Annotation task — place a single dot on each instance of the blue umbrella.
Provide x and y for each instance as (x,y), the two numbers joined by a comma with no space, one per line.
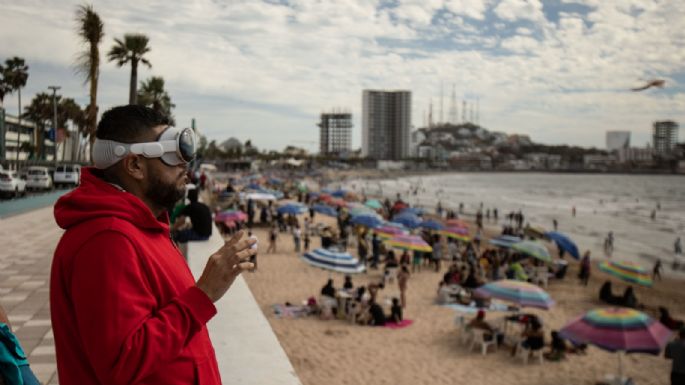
(432,225)
(409,220)
(564,242)
(342,262)
(254,186)
(412,210)
(505,241)
(339,193)
(292,209)
(325,210)
(368,220)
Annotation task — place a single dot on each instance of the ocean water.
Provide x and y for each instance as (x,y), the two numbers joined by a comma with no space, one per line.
(619,203)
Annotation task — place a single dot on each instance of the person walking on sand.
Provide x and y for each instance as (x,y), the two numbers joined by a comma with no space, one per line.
(273,238)
(297,237)
(402,279)
(125,308)
(656,272)
(585,265)
(678,247)
(675,350)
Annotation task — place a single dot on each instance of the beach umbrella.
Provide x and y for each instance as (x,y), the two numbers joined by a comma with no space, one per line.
(522,293)
(432,225)
(627,271)
(275,181)
(398,206)
(408,220)
(564,242)
(292,209)
(325,210)
(367,220)
(456,223)
(385,231)
(374,204)
(342,262)
(412,210)
(230,216)
(534,231)
(533,249)
(505,241)
(409,242)
(618,330)
(337,202)
(458,233)
(340,193)
(259,196)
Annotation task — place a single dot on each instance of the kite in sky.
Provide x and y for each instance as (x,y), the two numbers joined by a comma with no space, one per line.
(652,83)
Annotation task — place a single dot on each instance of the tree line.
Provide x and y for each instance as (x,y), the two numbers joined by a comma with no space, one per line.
(129,50)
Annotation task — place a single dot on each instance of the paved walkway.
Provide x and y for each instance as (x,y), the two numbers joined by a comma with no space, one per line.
(247,349)
(28,242)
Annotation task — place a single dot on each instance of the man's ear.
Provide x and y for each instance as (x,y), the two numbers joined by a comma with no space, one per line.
(135,166)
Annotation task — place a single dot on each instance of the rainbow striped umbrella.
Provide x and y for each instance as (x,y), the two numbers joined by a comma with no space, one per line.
(618,329)
(627,271)
(388,232)
(459,233)
(534,249)
(456,223)
(522,293)
(409,242)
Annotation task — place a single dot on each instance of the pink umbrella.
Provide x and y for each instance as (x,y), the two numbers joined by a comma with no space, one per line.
(230,216)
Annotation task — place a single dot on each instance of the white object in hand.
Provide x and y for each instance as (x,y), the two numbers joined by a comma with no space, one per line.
(254,246)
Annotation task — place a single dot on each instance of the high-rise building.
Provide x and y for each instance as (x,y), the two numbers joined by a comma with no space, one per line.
(617,140)
(665,136)
(335,133)
(386,119)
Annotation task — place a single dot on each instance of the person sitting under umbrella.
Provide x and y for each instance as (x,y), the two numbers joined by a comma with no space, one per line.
(479,322)
(666,319)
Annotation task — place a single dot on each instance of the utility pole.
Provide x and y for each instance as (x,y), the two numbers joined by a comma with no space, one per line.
(54,121)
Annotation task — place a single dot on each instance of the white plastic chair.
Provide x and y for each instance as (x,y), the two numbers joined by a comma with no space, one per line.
(541,276)
(390,275)
(465,334)
(479,339)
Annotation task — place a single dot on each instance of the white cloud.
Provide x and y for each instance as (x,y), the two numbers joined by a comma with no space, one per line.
(265,71)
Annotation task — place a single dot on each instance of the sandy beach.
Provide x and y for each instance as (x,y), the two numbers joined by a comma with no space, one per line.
(429,351)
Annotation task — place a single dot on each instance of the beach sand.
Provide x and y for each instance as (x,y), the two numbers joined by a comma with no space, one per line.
(429,351)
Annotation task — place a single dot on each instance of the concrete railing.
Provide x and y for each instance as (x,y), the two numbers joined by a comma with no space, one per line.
(246,347)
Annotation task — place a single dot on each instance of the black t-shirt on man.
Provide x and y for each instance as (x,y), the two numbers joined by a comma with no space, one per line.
(200,217)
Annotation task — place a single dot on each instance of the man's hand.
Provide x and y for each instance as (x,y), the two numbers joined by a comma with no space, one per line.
(225,265)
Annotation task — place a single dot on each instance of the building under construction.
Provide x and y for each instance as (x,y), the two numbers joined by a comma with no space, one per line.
(335,133)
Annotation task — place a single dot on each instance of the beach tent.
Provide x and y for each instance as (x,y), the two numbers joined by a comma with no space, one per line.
(621,330)
(342,262)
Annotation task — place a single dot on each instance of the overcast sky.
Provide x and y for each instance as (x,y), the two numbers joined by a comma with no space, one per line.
(559,71)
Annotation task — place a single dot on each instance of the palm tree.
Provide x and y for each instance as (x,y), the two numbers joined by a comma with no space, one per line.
(91,32)
(40,112)
(70,111)
(131,49)
(16,74)
(5,88)
(152,94)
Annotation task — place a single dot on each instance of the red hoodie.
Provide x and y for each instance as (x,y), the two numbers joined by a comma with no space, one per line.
(124,305)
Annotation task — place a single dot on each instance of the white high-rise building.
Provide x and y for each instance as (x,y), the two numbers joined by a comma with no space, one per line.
(617,140)
(386,120)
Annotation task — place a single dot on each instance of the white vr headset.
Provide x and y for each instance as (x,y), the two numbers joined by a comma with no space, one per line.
(174,147)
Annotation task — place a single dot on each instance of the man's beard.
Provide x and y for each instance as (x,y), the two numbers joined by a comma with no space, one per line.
(164,194)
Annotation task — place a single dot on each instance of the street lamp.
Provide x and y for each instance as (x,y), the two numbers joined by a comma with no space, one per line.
(54,121)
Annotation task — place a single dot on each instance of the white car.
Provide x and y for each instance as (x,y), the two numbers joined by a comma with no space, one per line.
(38,177)
(68,175)
(11,184)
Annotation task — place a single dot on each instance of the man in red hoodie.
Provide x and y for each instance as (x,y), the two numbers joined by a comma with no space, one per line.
(125,307)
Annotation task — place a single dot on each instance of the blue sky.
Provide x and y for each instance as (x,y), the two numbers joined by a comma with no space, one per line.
(558,70)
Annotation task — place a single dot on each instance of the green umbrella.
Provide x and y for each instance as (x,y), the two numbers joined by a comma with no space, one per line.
(533,249)
(374,204)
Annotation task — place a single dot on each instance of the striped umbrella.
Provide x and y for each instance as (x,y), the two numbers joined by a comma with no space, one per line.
(618,330)
(409,242)
(367,220)
(456,223)
(505,241)
(627,271)
(342,262)
(533,249)
(459,233)
(522,293)
(386,232)
(409,220)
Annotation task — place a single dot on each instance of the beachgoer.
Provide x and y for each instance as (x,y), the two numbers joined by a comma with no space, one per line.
(348,285)
(200,221)
(573,211)
(533,336)
(396,311)
(375,251)
(479,322)
(125,308)
(668,321)
(678,247)
(297,236)
(585,269)
(555,224)
(273,238)
(675,350)
(656,272)
(402,279)
(306,241)
(328,289)
(377,315)
(653,215)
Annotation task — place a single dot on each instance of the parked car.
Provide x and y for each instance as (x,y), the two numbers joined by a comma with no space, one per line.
(68,175)
(11,184)
(38,177)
